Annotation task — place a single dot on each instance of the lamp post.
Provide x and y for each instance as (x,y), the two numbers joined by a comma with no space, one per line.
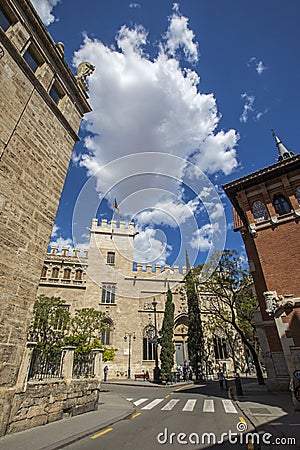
(129,336)
(156,371)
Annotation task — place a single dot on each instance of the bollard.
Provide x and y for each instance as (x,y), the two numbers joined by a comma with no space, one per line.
(238,385)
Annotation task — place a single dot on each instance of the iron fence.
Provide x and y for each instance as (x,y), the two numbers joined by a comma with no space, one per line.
(45,365)
(83,365)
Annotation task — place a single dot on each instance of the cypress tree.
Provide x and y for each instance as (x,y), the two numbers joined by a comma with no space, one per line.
(195,333)
(166,341)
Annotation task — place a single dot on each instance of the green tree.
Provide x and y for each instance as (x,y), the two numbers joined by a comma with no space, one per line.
(50,322)
(195,332)
(85,332)
(166,341)
(231,298)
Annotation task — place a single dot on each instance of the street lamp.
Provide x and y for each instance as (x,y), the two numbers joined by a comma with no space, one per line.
(156,371)
(129,336)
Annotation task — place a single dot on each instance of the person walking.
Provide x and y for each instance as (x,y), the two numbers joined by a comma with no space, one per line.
(221,379)
(105,373)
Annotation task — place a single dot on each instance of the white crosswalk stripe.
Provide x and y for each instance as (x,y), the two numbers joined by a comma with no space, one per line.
(208,406)
(229,407)
(129,399)
(152,404)
(170,405)
(140,401)
(190,405)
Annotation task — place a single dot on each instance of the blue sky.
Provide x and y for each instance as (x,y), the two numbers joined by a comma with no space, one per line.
(184,96)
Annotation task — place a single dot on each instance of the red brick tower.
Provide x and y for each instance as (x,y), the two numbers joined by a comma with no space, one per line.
(266,208)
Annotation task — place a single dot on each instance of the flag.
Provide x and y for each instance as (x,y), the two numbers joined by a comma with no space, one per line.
(116,206)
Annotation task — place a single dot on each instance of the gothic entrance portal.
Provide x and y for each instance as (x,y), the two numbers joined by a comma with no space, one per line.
(180,337)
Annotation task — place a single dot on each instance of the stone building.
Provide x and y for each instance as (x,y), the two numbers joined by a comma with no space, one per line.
(42,104)
(106,279)
(266,212)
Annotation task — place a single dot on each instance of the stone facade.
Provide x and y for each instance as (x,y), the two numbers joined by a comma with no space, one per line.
(124,291)
(41,110)
(267,209)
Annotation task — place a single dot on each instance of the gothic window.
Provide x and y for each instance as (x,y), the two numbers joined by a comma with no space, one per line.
(106,333)
(67,274)
(32,58)
(220,348)
(148,345)
(111,258)
(297,194)
(281,205)
(259,211)
(78,274)
(55,272)
(44,272)
(108,293)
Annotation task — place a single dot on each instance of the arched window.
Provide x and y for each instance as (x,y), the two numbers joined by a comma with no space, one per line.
(107,332)
(220,348)
(259,211)
(67,273)
(297,194)
(281,205)
(78,274)
(148,344)
(55,272)
(44,272)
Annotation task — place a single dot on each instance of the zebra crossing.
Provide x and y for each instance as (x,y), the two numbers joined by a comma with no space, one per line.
(207,405)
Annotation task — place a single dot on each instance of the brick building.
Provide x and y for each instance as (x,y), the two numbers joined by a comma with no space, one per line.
(267,212)
(42,104)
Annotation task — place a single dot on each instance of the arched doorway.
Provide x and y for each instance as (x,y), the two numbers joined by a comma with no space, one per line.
(181,338)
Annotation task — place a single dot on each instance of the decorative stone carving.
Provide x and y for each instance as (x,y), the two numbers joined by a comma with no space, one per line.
(275,302)
(84,70)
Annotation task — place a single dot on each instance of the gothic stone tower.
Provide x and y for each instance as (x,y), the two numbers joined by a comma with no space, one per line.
(266,212)
(42,105)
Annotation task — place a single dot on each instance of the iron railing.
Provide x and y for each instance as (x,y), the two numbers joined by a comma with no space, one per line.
(45,365)
(83,365)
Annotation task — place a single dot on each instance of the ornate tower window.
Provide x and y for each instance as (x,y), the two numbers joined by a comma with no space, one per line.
(259,211)
(55,272)
(281,205)
(108,293)
(111,258)
(297,194)
(67,274)
(78,274)
(44,272)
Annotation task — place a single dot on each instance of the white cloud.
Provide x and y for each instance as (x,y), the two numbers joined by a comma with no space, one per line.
(260,67)
(203,237)
(55,230)
(150,106)
(150,250)
(179,36)
(44,9)
(134,5)
(248,106)
(249,110)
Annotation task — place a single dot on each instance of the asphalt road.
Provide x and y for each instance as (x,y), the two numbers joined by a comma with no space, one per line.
(193,416)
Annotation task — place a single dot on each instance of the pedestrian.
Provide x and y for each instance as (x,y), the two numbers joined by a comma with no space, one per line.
(105,373)
(221,379)
(185,371)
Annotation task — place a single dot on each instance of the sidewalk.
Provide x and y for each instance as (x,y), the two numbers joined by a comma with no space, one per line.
(269,412)
(56,435)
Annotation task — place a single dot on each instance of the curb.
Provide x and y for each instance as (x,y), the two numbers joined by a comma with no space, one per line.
(77,437)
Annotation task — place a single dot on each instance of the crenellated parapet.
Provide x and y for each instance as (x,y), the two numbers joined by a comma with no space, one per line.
(105,226)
